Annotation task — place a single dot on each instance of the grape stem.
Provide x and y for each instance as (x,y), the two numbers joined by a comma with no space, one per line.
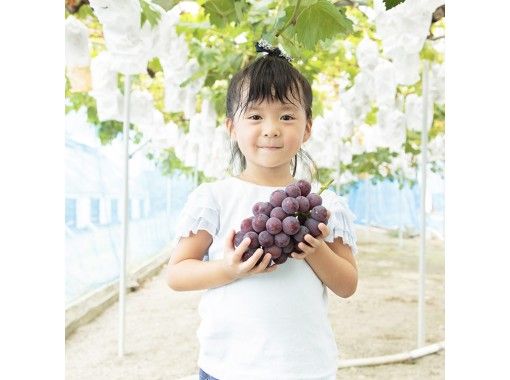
(325,186)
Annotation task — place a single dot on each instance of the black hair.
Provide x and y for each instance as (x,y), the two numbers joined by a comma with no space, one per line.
(270,78)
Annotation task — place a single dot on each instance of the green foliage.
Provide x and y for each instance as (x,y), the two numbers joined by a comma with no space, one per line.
(169,163)
(324,175)
(84,12)
(431,54)
(150,13)
(367,164)
(438,123)
(413,142)
(371,118)
(223,12)
(392,3)
(315,20)
(154,66)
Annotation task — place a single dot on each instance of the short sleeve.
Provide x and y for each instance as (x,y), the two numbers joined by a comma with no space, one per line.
(200,212)
(341,221)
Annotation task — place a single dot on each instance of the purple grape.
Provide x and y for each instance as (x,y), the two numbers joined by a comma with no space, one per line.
(281,259)
(278,212)
(320,214)
(249,253)
(246,224)
(313,227)
(314,199)
(266,208)
(254,239)
(304,204)
(262,208)
(290,225)
(256,208)
(273,225)
(302,218)
(274,251)
(282,240)
(293,191)
(289,248)
(304,186)
(266,239)
(290,205)
(300,236)
(277,198)
(259,222)
(238,238)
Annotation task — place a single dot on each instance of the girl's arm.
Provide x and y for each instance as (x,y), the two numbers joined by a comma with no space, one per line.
(187,271)
(335,265)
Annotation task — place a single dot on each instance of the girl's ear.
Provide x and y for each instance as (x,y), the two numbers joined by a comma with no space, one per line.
(229,124)
(308,130)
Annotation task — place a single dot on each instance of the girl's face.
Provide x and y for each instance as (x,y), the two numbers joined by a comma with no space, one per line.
(269,134)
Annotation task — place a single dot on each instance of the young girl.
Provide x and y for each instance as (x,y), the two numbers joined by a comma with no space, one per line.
(259,321)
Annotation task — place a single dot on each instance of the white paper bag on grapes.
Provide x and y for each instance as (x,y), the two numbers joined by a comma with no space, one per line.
(367,54)
(281,223)
(130,45)
(77,55)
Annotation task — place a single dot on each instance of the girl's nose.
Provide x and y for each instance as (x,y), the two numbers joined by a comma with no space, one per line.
(271,131)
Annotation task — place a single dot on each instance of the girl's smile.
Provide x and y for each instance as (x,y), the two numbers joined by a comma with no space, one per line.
(270,147)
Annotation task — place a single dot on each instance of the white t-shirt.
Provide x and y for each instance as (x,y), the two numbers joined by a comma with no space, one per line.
(269,326)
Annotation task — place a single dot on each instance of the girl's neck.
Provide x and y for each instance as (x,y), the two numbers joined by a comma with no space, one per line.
(267,178)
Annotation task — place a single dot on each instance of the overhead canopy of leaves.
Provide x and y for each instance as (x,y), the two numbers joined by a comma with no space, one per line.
(320,35)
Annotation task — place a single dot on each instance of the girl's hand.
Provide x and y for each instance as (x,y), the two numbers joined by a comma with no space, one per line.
(238,269)
(312,244)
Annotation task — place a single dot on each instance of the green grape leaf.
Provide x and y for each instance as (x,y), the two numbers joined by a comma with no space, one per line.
(392,3)
(221,12)
(150,12)
(320,21)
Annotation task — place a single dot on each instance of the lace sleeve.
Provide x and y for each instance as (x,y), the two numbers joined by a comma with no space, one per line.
(200,212)
(341,222)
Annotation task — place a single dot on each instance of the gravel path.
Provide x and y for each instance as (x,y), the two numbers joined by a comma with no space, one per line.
(379,319)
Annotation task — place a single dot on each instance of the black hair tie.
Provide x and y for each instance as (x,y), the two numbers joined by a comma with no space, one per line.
(263,46)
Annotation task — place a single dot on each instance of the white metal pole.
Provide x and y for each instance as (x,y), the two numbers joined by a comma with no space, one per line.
(338,173)
(400,211)
(168,196)
(125,219)
(424,143)
(168,202)
(395,358)
(195,169)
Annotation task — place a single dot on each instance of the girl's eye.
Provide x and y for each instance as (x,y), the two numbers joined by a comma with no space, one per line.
(258,116)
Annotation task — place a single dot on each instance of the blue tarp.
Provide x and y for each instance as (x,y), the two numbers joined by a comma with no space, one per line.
(385,205)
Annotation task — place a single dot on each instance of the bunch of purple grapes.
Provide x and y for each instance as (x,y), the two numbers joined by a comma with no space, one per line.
(280,224)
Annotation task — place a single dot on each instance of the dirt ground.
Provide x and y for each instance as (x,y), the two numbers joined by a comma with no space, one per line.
(379,319)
